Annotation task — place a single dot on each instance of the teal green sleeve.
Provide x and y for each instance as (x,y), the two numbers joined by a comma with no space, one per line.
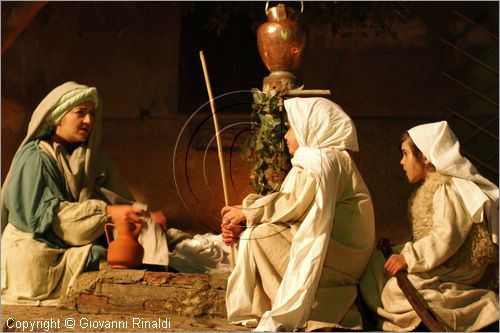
(33,193)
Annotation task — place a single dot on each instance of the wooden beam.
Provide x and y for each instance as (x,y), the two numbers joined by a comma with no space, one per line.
(18,19)
(310,92)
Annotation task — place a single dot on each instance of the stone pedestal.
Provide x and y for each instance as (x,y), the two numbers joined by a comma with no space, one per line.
(279,81)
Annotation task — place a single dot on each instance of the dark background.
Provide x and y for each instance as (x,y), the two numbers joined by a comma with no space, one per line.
(143,58)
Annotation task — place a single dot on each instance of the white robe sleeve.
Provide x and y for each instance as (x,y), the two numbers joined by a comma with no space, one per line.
(281,206)
(451,225)
(80,223)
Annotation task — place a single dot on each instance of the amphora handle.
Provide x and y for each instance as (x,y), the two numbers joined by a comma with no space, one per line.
(137,230)
(301,6)
(106,231)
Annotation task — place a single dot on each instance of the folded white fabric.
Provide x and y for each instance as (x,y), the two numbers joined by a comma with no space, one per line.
(204,253)
(154,242)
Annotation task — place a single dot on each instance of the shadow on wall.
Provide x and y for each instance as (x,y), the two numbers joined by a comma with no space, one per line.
(132,53)
(14,124)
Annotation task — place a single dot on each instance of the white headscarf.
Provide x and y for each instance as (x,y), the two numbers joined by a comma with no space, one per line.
(440,145)
(322,130)
(321,123)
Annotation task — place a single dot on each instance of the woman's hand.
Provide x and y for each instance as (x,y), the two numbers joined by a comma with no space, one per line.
(231,232)
(159,218)
(125,213)
(232,215)
(395,263)
(232,219)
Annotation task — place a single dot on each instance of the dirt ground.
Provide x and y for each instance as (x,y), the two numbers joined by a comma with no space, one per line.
(16,318)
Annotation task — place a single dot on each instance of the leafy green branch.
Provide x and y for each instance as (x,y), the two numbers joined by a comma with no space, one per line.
(264,150)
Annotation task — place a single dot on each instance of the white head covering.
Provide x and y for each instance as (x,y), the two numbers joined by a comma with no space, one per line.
(323,131)
(440,145)
(321,123)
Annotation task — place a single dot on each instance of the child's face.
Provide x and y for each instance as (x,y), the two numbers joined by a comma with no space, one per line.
(413,167)
(291,141)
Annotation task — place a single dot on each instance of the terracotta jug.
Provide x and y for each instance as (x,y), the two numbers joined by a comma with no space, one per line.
(125,251)
(281,40)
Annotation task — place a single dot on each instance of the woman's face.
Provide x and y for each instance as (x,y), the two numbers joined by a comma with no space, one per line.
(412,165)
(291,141)
(75,125)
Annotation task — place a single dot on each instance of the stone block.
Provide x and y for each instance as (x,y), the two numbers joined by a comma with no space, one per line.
(173,305)
(217,303)
(91,303)
(131,291)
(219,280)
(121,275)
(122,290)
(154,305)
(191,281)
(84,284)
(157,278)
(121,303)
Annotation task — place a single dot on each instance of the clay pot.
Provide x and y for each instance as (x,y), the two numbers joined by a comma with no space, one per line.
(125,251)
(281,40)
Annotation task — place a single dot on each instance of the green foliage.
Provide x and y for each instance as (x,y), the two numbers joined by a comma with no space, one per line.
(265,150)
(344,17)
(347,18)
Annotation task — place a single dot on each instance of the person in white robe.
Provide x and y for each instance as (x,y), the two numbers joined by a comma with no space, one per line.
(454,217)
(60,191)
(304,247)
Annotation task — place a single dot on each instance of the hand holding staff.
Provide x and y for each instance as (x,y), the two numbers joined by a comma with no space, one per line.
(219,143)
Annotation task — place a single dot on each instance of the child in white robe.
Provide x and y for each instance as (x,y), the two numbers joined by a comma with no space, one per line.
(454,217)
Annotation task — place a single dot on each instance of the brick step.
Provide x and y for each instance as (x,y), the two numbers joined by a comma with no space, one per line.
(129,290)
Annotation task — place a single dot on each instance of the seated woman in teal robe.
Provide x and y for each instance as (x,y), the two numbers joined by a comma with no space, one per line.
(60,191)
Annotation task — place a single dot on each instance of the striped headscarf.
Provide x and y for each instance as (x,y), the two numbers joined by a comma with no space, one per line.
(65,103)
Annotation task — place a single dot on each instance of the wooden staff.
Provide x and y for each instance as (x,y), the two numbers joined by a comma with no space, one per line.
(219,143)
(411,293)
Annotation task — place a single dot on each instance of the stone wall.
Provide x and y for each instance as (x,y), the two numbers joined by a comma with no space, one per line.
(130,51)
(118,291)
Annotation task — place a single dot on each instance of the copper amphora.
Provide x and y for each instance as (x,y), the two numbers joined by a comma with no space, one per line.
(125,251)
(281,40)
